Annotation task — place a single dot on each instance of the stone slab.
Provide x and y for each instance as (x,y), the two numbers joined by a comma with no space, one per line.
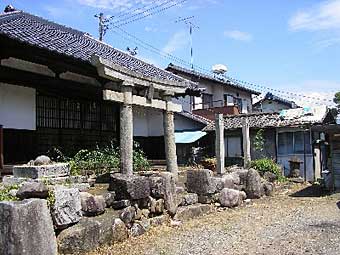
(34,172)
(186,213)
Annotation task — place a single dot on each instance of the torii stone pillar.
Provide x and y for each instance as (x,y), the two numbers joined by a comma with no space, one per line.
(246,142)
(126,131)
(169,139)
(219,143)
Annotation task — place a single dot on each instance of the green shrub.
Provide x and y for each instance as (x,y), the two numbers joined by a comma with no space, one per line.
(4,193)
(140,162)
(267,165)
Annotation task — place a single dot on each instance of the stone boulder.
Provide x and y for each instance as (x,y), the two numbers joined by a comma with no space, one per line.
(231,197)
(137,230)
(121,204)
(32,190)
(270,177)
(170,192)
(128,215)
(268,188)
(201,182)
(208,199)
(156,206)
(66,208)
(189,199)
(253,187)
(109,198)
(42,160)
(26,228)
(242,174)
(130,187)
(159,220)
(192,211)
(92,205)
(231,181)
(91,233)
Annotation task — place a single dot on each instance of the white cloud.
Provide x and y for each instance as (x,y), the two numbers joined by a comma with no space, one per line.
(238,35)
(323,16)
(316,92)
(177,41)
(118,5)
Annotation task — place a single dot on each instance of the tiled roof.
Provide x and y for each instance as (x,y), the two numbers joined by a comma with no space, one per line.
(195,117)
(272,97)
(57,38)
(218,79)
(275,119)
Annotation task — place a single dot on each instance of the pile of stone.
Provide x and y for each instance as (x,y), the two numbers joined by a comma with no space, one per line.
(70,220)
(228,190)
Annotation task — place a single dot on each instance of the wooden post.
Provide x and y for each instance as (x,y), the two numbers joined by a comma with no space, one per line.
(246,142)
(219,143)
(1,148)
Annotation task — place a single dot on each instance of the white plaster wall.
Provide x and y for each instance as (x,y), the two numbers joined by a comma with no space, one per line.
(17,107)
(186,124)
(147,122)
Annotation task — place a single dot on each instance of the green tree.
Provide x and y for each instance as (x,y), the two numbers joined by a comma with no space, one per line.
(337,100)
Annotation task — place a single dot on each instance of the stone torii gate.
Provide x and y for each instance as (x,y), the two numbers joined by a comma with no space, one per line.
(157,94)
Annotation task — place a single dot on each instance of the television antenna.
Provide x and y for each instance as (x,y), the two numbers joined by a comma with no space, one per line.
(192,26)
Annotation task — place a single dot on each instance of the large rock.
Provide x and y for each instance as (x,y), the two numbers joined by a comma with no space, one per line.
(32,190)
(269,176)
(253,187)
(128,215)
(189,199)
(156,206)
(242,174)
(209,199)
(231,197)
(35,172)
(201,182)
(157,186)
(130,187)
(26,228)
(91,233)
(170,194)
(117,205)
(137,229)
(159,220)
(268,188)
(192,211)
(92,205)
(66,208)
(42,160)
(231,181)
(109,198)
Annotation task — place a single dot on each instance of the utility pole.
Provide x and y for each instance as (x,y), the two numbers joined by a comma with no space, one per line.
(102,24)
(192,26)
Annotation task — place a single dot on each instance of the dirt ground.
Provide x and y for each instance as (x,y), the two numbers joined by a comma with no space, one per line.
(297,220)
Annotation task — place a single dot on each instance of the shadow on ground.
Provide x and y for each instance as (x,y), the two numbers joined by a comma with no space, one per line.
(311,191)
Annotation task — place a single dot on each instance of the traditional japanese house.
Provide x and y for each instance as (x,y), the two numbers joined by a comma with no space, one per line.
(60,87)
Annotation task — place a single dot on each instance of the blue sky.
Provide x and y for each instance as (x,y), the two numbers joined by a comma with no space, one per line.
(285,45)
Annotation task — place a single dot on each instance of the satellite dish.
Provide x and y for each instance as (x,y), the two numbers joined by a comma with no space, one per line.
(219,69)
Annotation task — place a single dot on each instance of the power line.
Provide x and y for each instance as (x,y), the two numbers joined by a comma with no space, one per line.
(132,10)
(146,14)
(261,88)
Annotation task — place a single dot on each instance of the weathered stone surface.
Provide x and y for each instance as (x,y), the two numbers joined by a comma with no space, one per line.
(26,228)
(34,172)
(231,181)
(268,188)
(231,197)
(42,160)
(90,233)
(92,205)
(170,195)
(128,215)
(121,204)
(253,187)
(159,220)
(242,173)
(82,187)
(145,223)
(32,190)
(189,199)
(131,187)
(271,177)
(136,230)
(201,182)
(120,231)
(156,206)
(156,186)
(66,209)
(109,198)
(192,211)
(208,199)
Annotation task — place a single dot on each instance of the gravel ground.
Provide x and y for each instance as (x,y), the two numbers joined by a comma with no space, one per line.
(278,225)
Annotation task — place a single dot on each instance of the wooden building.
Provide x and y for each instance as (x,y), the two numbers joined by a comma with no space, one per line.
(60,87)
